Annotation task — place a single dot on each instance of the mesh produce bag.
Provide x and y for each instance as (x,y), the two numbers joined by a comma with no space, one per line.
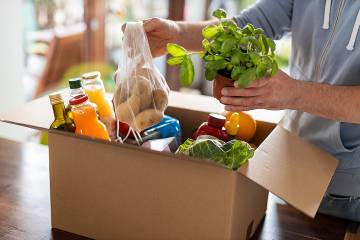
(141,94)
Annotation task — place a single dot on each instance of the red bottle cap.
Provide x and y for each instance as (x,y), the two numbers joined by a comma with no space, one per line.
(78,99)
(216,120)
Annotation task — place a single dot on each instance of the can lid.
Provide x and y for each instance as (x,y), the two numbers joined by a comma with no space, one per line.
(56,98)
(75,83)
(216,120)
(78,99)
(91,75)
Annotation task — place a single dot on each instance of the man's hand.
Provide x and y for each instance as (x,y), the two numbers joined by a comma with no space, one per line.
(277,92)
(159,33)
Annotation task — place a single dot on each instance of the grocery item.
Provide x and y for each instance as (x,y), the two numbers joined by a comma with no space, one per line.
(231,154)
(214,127)
(232,125)
(86,120)
(141,94)
(75,89)
(167,127)
(247,126)
(162,145)
(61,121)
(94,88)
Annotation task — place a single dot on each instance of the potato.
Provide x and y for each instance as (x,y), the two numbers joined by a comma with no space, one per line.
(160,99)
(142,88)
(143,72)
(126,111)
(146,119)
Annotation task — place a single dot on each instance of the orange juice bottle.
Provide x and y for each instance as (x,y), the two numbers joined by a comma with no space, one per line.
(94,88)
(86,120)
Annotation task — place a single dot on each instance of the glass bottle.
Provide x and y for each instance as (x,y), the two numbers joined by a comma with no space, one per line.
(213,127)
(94,88)
(75,89)
(86,120)
(61,121)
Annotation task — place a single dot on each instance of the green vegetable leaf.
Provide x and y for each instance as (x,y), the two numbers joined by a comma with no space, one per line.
(228,45)
(175,60)
(219,13)
(213,57)
(210,74)
(264,44)
(231,154)
(248,76)
(206,44)
(186,72)
(236,73)
(176,50)
(271,44)
(230,24)
(275,68)
(210,31)
(216,65)
(238,57)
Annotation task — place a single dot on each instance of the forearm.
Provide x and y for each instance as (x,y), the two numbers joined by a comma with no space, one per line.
(190,36)
(340,103)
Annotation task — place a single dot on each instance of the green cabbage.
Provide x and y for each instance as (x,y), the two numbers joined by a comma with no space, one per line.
(231,154)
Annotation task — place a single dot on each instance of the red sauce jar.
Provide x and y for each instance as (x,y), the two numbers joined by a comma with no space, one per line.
(213,127)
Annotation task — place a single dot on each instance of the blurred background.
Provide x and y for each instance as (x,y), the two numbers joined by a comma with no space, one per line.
(46,42)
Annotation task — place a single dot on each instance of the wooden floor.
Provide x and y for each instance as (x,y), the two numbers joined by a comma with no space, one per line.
(25,206)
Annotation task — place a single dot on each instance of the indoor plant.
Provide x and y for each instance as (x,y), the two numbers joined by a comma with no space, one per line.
(230,54)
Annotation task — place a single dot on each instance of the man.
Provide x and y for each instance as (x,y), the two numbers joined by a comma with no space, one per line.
(322,93)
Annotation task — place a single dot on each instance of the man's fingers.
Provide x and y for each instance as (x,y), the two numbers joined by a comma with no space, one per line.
(242,101)
(246,92)
(232,108)
(151,24)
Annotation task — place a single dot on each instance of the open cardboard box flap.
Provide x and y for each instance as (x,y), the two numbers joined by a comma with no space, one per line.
(284,164)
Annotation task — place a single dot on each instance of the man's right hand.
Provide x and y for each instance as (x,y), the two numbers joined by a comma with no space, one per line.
(160,32)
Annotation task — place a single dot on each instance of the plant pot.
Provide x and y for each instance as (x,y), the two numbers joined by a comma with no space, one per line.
(219,83)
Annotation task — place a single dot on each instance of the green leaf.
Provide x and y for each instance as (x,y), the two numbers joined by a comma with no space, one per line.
(213,57)
(186,72)
(210,74)
(247,77)
(275,68)
(258,31)
(176,50)
(210,31)
(255,58)
(264,44)
(230,24)
(238,57)
(228,45)
(216,65)
(219,13)
(271,44)
(236,73)
(175,60)
(216,45)
(206,44)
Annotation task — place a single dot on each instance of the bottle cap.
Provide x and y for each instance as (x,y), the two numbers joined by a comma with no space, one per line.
(55,98)
(216,120)
(78,99)
(91,75)
(75,83)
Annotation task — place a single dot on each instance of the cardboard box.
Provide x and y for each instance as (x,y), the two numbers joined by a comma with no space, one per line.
(105,190)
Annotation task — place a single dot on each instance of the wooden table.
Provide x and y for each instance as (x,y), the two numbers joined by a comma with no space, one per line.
(25,203)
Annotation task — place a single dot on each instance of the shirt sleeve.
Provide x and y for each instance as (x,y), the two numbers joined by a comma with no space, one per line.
(274,16)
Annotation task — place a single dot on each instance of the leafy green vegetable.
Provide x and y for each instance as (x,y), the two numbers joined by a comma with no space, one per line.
(231,154)
(245,54)
(176,50)
(186,71)
(219,13)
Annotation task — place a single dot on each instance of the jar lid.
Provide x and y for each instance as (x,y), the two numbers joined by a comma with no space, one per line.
(91,75)
(216,120)
(56,98)
(78,99)
(75,83)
